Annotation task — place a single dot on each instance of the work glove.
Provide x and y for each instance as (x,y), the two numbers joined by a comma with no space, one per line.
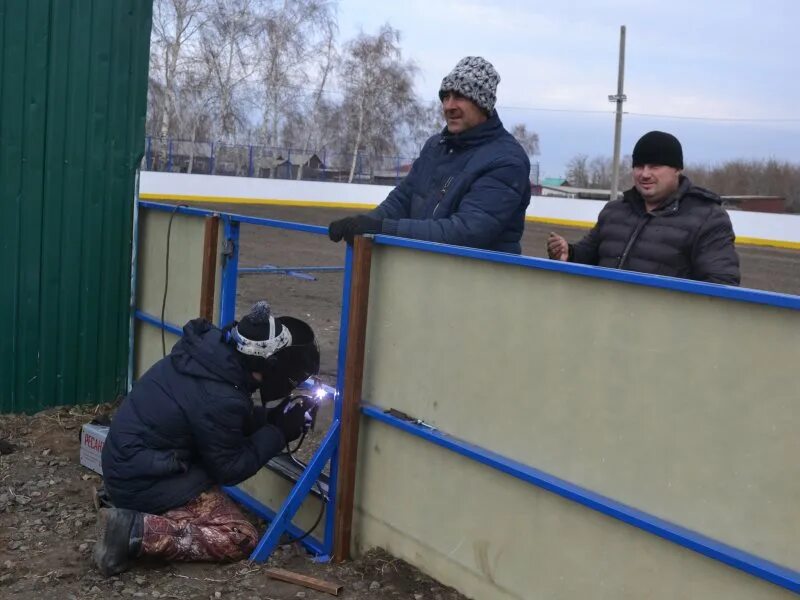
(290,417)
(351,226)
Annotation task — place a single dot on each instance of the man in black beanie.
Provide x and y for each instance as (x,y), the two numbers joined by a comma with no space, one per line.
(470,185)
(188,426)
(663,225)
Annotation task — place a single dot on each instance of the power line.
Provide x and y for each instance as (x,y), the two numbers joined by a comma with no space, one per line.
(729,119)
(656,115)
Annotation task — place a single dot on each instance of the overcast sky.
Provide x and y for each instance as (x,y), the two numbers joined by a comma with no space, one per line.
(702,60)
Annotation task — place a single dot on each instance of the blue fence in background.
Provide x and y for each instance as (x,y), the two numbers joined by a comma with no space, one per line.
(216,158)
(241,160)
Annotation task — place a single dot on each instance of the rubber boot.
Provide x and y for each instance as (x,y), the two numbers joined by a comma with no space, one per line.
(119,538)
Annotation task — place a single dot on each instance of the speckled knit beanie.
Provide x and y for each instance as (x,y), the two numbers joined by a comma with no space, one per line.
(475,78)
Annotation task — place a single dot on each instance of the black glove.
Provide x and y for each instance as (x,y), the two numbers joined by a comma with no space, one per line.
(290,417)
(351,226)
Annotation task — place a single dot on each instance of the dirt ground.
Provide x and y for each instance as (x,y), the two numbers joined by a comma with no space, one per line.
(47,530)
(46,512)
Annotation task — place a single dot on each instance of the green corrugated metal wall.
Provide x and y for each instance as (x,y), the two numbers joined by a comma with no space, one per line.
(73,88)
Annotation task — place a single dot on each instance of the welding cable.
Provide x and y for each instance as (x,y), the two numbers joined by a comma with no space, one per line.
(325,500)
(166,279)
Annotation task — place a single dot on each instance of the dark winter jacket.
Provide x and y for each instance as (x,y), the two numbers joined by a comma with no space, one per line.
(469,189)
(689,236)
(188,424)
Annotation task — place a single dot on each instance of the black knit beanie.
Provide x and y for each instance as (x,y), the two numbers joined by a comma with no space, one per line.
(658,148)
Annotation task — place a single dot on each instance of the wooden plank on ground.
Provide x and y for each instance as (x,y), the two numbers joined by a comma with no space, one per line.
(305,580)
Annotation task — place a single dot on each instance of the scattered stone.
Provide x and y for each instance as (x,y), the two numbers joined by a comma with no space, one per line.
(118,584)
(83,547)
(9,564)
(46,452)
(300,595)
(95,589)
(14,544)
(140,580)
(418,596)
(6,578)
(374,586)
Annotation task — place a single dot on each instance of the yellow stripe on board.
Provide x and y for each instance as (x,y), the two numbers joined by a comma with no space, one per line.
(749,241)
(746,241)
(265,201)
(565,222)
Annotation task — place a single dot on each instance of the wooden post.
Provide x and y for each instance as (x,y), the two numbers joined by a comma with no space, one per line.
(351,401)
(209,277)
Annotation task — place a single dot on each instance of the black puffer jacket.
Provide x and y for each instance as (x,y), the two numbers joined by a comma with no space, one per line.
(188,424)
(467,189)
(689,236)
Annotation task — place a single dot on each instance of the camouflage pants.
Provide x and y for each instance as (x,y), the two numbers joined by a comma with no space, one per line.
(209,528)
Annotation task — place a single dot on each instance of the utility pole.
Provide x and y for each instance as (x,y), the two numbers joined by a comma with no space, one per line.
(619,98)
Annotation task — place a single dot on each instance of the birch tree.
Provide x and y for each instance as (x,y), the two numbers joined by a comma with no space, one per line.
(292,35)
(227,56)
(529,140)
(175,26)
(379,98)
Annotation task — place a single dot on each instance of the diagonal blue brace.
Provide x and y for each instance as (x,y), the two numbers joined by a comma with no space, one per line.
(290,506)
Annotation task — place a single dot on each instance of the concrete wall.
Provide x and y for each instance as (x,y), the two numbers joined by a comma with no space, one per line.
(751,228)
(185,277)
(660,399)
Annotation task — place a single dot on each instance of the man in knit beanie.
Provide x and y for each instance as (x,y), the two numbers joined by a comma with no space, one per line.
(470,185)
(663,225)
(189,426)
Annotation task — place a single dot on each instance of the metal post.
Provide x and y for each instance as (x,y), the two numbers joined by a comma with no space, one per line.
(396,170)
(619,99)
(169,156)
(250,163)
(149,153)
(324,163)
(344,324)
(134,266)
(230,271)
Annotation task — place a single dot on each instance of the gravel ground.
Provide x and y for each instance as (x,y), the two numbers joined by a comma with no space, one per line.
(47,530)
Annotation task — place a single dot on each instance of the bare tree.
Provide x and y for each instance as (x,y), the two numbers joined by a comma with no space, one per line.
(292,38)
(529,140)
(428,120)
(175,24)
(578,171)
(227,54)
(379,97)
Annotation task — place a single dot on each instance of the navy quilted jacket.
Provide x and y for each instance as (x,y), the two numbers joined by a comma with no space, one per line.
(187,425)
(689,236)
(469,189)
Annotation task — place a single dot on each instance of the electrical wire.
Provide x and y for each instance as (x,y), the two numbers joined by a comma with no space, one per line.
(166,280)
(325,500)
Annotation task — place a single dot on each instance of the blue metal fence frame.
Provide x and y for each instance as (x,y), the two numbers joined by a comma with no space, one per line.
(744,561)
(280,521)
(739,559)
